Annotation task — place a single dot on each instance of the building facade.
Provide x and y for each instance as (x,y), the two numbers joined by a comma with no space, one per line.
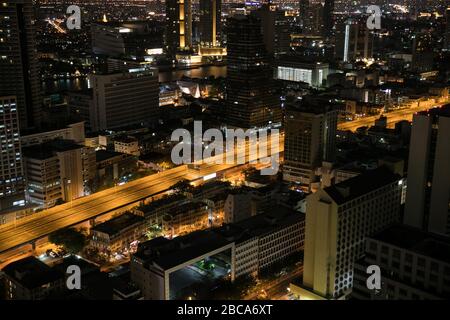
(178,25)
(18,60)
(293,69)
(58,171)
(338,218)
(353,41)
(414,265)
(122,99)
(210,22)
(428,193)
(310,138)
(12,182)
(249,90)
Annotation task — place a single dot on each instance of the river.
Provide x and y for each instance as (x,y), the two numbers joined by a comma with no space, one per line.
(54,86)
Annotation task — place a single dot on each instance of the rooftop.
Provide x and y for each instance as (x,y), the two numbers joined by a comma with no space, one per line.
(170,253)
(31,272)
(187,207)
(49,149)
(418,241)
(364,183)
(443,111)
(118,224)
(102,155)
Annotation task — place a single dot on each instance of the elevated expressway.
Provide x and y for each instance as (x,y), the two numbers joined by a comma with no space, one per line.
(24,233)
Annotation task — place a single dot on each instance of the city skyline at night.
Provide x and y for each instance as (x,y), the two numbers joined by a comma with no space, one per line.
(225,150)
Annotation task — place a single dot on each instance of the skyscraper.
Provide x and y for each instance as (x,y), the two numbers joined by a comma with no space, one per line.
(310,138)
(12,182)
(353,41)
(179,25)
(18,63)
(250,98)
(314,19)
(428,192)
(422,54)
(338,219)
(275,29)
(304,9)
(210,26)
(328,18)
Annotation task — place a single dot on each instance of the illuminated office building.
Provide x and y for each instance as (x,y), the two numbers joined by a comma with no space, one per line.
(11,172)
(124,98)
(210,26)
(310,138)
(290,68)
(179,25)
(250,98)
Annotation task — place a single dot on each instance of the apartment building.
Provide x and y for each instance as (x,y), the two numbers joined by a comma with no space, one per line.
(117,234)
(338,219)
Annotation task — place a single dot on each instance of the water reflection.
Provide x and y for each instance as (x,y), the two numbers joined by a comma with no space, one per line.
(53,86)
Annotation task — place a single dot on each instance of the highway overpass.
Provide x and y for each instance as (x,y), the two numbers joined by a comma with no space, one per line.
(28,230)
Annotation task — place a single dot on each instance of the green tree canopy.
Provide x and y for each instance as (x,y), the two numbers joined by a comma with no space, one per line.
(71,239)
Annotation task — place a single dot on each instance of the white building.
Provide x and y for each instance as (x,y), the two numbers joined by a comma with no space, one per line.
(128,145)
(338,219)
(311,72)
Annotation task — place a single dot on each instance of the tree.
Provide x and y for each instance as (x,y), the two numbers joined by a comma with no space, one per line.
(71,239)
(182,186)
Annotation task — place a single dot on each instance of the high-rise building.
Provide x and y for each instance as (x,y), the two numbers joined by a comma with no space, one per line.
(338,219)
(58,170)
(12,182)
(413,264)
(422,53)
(447,29)
(353,41)
(130,38)
(304,10)
(18,62)
(310,138)
(314,19)
(328,18)
(274,28)
(179,25)
(124,98)
(428,192)
(210,22)
(250,98)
